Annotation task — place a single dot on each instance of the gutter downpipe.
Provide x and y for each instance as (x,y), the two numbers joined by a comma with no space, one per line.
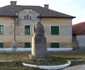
(15,23)
(14,29)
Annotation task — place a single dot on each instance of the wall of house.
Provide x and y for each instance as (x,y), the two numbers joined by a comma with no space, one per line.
(65,29)
(65,25)
(22,22)
(81,41)
(8,37)
(64,37)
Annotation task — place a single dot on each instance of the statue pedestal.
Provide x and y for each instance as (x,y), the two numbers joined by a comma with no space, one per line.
(39,47)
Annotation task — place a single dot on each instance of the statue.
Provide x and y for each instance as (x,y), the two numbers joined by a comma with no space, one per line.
(39,29)
(39,44)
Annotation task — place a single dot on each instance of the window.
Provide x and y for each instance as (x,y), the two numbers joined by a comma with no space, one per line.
(27,45)
(27,30)
(54,30)
(1,29)
(27,17)
(1,45)
(54,45)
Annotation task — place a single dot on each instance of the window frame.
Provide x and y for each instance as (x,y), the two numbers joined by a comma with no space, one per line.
(2,44)
(1,30)
(27,33)
(54,43)
(27,17)
(27,43)
(54,33)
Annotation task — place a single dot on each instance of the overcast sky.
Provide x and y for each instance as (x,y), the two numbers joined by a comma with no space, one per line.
(71,7)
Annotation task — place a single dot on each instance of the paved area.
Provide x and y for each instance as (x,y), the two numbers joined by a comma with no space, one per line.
(78,67)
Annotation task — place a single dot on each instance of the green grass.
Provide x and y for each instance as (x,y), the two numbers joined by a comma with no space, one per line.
(58,58)
(48,61)
(14,66)
(73,63)
(14,56)
(71,56)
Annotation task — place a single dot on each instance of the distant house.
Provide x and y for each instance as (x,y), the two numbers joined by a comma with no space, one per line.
(79,34)
(17,22)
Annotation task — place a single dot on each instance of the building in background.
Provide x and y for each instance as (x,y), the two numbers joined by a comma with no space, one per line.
(79,34)
(17,22)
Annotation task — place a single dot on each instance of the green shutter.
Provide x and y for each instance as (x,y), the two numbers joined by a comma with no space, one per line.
(54,45)
(27,45)
(1,45)
(54,30)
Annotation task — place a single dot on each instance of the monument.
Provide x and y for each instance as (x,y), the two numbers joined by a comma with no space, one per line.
(39,44)
(39,57)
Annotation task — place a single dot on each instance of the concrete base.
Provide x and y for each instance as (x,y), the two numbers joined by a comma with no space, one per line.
(36,58)
(39,47)
(50,67)
(10,50)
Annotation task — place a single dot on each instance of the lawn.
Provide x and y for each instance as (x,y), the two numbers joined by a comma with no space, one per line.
(17,58)
(71,56)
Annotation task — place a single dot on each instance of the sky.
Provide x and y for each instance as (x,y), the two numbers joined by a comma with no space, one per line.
(71,7)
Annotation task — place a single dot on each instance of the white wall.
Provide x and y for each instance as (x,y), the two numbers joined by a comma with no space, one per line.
(81,41)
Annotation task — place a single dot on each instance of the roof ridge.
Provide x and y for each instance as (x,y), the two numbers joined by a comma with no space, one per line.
(58,12)
(21,5)
(82,22)
(49,13)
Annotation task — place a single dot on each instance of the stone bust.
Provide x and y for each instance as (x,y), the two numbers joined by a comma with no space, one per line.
(39,29)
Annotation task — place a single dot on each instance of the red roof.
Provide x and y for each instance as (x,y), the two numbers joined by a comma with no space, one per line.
(79,29)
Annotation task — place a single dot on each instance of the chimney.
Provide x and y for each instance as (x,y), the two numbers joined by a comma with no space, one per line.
(13,3)
(46,6)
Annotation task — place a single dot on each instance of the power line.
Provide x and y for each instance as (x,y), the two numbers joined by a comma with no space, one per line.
(81,7)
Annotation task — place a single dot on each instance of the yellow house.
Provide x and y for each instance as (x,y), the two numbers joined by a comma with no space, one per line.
(17,22)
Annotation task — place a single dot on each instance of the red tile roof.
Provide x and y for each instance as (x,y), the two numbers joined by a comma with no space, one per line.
(79,29)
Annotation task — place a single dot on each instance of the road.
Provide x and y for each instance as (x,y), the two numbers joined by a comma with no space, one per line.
(78,67)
